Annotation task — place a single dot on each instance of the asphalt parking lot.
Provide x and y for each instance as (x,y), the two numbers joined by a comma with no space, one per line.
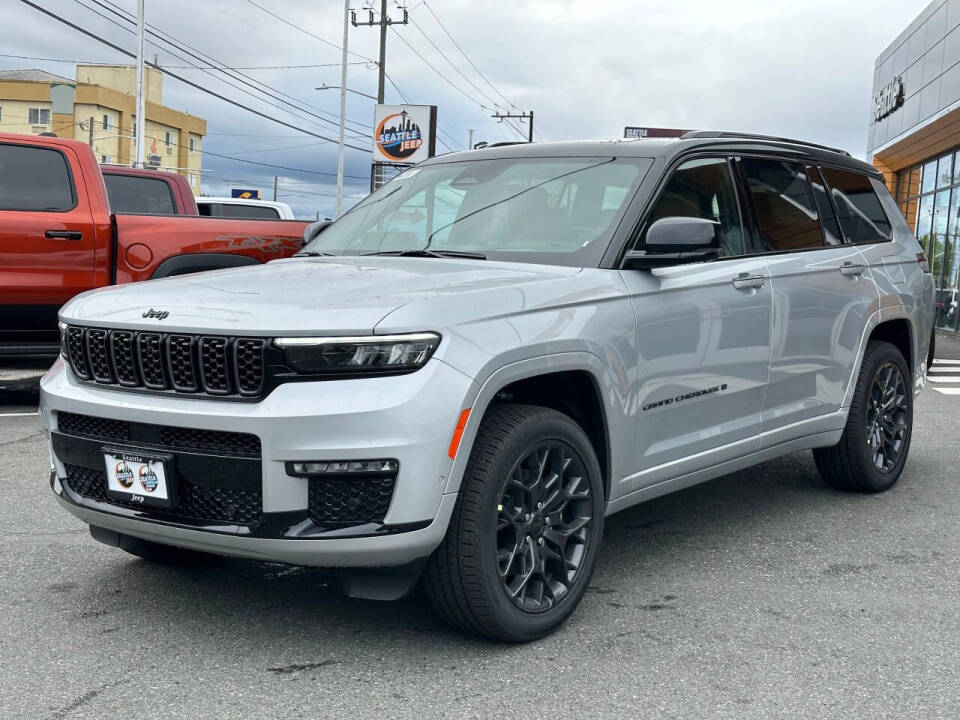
(763,594)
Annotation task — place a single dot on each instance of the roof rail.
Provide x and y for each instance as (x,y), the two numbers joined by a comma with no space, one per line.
(691,134)
(505,143)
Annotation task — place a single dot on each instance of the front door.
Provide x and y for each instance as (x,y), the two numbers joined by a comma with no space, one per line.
(47,241)
(703,338)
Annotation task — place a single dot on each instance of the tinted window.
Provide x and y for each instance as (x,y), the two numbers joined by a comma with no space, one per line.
(34,178)
(861,214)
(831,231)
(205,208)
(703,189)
(785,210)
(131,194)
(255,212)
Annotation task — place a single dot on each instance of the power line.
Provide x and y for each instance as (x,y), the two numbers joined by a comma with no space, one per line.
(222,68)
(182,79)
(451,64)
(183,67)
(307,32)
(466,57)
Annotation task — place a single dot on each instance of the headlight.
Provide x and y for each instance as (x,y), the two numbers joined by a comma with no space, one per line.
(368,355)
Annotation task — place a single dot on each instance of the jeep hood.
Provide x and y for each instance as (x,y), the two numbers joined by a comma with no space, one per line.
(326,296)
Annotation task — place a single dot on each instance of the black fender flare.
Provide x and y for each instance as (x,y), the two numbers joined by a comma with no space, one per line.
(197,262)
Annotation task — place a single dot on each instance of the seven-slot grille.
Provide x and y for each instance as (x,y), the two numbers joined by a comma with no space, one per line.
(213,365)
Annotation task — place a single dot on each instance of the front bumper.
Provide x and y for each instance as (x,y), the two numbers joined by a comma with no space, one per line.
(409,418)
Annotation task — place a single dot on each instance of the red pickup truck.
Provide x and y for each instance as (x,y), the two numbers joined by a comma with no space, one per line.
(59,237)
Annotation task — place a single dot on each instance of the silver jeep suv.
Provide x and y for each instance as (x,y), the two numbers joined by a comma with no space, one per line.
(456,381)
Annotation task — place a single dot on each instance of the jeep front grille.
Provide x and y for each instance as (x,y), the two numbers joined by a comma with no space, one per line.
(168,362)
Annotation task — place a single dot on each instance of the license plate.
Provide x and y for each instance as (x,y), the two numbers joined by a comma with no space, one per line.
(138,478)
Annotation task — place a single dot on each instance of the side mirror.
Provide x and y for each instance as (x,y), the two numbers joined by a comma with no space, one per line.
(676,240)
(314,229)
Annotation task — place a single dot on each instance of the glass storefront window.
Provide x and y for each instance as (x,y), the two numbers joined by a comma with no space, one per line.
(929,182)
(929,196)
(945,171)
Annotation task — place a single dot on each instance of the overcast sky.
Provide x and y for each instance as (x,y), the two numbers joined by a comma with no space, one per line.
(587,69)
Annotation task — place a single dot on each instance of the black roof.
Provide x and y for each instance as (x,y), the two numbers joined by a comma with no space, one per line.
(666,148)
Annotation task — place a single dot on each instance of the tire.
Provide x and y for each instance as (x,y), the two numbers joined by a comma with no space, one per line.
(854,464)
(473,580)
(932,350)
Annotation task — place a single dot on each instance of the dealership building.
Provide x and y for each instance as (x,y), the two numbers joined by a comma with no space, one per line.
(914,139)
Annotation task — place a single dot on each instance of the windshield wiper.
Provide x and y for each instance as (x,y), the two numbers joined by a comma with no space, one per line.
(431,253)
(312,253)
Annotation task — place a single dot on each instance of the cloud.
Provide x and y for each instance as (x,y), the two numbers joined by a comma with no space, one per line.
(587,69)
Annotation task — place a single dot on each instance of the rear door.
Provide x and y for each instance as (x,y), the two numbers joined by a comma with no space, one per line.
(822,295)
(47,243)
(703,337)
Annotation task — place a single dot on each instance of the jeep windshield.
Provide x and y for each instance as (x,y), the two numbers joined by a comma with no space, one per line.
(559,211)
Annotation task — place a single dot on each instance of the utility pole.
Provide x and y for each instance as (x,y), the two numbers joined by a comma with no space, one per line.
(90,133)
(140,130)
(343,106)
(522,116)
(469,139)
(275,179)
(384,22)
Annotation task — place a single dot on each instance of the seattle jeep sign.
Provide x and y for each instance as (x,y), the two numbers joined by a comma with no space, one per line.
(888,99)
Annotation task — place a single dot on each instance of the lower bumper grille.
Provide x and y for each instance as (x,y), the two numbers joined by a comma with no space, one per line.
(234,506)
(350,500)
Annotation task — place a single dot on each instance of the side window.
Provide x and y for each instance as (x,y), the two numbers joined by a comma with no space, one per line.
(205,208)
(132,194)
(861,214)
(703,188)
(785,210)
(828,220)
(250,212)
(35,179)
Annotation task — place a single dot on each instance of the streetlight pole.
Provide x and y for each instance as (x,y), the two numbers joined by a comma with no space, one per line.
(140,128)
(343,106)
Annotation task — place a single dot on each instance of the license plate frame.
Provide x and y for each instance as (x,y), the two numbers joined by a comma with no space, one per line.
(146,470)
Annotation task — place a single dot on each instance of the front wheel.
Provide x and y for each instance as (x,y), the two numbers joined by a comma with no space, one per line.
(873,449)
(526,529)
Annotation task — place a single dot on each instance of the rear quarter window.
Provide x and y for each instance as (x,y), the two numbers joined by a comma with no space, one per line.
(139,195)
(858,208)
(35,179)
(250,212)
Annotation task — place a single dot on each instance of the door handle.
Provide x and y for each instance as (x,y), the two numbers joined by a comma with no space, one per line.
(746,281)
(63,235)
(848,269)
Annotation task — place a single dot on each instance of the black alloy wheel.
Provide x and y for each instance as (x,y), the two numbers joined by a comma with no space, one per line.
(543,526)
(526,529)
(887,417)
(876,439)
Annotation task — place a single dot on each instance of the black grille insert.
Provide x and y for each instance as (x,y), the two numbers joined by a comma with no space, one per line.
(237,506)
(161,437)
(212,365)
(350,499)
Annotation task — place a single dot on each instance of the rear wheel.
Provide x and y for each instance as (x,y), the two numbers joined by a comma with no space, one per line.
(873,449)
(526,529)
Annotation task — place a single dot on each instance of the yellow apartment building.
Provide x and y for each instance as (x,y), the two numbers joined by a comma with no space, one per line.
(99,107)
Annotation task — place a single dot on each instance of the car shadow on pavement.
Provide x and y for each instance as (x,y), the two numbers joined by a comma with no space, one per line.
(647,550)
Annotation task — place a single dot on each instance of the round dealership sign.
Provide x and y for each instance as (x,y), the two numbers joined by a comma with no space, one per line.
(398,136)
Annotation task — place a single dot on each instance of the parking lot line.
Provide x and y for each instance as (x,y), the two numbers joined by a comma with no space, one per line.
(942,361)
(944,378)
(948,391)
(19,414)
